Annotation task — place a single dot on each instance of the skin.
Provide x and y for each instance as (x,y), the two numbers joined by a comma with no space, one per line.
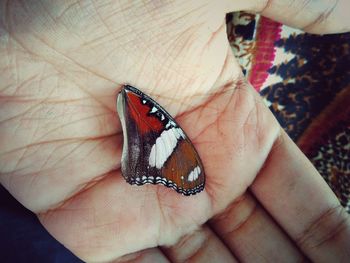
(62,65)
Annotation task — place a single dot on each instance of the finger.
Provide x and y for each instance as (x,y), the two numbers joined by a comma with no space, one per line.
(144,256)
(312,16)
(123,218)
(293,192)
(200,246)
(252,235)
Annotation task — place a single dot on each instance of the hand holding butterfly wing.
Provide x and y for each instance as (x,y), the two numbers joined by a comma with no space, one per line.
(61,139)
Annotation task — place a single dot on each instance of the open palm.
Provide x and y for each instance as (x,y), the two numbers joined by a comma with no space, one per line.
(62,141)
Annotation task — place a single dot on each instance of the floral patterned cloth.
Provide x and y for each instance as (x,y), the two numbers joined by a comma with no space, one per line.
(305,81)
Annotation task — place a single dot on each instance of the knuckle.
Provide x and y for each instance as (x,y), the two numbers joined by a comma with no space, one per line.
(324,10)
(324,229)
(190,245)
(237,215)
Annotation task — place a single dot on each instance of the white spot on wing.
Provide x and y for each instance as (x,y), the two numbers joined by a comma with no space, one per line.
(153,110)
(164,147)
(194,174)
(170,124)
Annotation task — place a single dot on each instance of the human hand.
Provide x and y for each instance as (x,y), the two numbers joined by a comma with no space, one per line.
(62,67)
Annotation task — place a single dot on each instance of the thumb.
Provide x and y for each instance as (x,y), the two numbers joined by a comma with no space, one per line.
(319,17)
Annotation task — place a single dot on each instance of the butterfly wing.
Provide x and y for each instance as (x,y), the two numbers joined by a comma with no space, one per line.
(156,150)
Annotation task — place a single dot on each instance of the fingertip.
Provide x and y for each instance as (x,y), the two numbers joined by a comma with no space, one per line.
(317,17)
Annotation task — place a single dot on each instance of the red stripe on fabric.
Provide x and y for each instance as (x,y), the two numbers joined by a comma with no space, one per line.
(268,32)
(320,129)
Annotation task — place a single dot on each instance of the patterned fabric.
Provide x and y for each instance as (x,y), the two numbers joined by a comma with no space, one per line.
(305,81)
